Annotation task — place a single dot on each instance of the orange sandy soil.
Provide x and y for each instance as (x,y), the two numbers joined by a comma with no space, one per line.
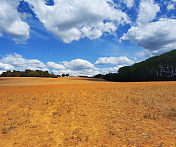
(63,112)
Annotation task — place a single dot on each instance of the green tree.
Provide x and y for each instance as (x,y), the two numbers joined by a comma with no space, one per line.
(63,75)
(67,75)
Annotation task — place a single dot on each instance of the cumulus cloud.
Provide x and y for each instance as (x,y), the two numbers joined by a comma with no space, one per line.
(147,11)
(78,67)
(156,36)
(129,3)
(114,61)
(110,69)
(5,67)
(76,19)
(170,7)
(75,67)
(54,65)
(17,62)
(10,21)
(78,64)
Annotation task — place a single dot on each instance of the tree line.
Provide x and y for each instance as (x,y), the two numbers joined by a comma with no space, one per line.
(31,73)
(157,68)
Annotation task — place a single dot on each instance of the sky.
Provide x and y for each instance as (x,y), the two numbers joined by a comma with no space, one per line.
(84,37)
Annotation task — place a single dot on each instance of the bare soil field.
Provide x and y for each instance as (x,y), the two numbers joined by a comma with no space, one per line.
(83,112)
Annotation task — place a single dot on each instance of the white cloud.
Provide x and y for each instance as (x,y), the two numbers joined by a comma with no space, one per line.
(156,37)
(129,3)
(78,64)
(110,69)
(11,23)
(147,11)
(76,73)
(5,67)
(76,19)
(170,7)
(54,65)
(114,61)
(77,67)
(19,63)
(80,67)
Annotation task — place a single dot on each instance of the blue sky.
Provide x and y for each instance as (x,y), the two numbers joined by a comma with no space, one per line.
(83,37)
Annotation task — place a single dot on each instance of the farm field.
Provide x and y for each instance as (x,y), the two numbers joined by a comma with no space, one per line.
(84,112)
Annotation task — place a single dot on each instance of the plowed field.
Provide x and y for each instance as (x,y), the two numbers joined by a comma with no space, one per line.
(63,112)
